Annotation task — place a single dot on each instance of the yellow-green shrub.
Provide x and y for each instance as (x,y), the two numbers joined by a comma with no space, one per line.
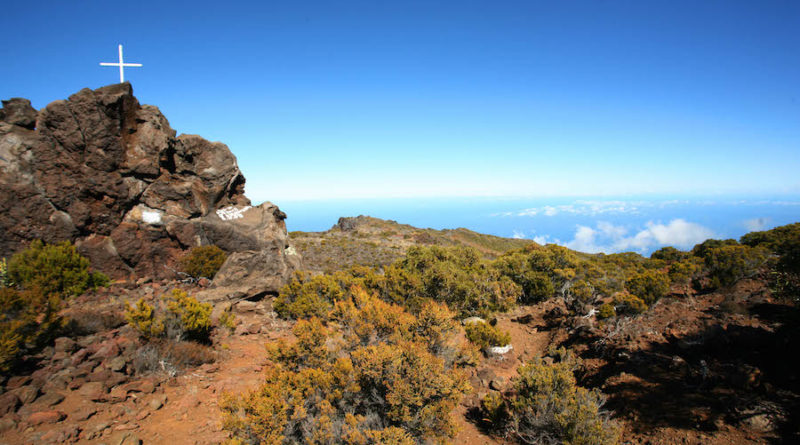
(485,335)
(728,264)
(5,281)
(142,317)
(369,379)
(606,310)
(649,285)
(54,268)
(305,296)
(193,317)
(28,318)
(203,261)
(547,406)
(177,316)
(626,303)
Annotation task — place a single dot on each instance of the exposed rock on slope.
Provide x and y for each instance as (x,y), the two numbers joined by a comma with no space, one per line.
(110,175)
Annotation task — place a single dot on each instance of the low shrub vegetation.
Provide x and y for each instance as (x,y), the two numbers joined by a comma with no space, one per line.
(628,304)
(177,316)
(546,406)
(28,320)
(53,268)
(377,374)
(485,335)
(203,261)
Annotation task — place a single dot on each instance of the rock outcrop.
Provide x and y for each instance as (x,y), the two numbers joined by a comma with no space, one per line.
(110,175)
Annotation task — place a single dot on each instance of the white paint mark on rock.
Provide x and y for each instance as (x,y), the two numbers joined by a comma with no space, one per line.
(500,350)
(151,217)
(231,212)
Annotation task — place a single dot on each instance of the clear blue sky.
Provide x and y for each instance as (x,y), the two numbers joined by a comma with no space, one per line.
(380,99)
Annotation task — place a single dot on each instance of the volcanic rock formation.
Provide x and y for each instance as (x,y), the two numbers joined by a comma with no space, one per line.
(111,176)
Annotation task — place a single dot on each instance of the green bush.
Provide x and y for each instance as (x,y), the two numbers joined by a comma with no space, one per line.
(305,296)
(28,320)
(177,316)
(142,317)
(729,263)
(5,281)
(192,317)
(649,285)
(668,254)
(606,310)
(784,242)
(546,406)
(369,378)
(457,276)
(684,271)
(625,303)
(203,261)
(485,335)
(53,268)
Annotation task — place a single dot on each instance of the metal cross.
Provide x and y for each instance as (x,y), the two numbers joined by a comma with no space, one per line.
(121,65)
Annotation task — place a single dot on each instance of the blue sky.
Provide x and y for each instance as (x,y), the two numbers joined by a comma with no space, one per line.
(343,99)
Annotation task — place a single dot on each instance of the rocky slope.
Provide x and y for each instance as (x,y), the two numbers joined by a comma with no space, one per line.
(369,241)
(110,175)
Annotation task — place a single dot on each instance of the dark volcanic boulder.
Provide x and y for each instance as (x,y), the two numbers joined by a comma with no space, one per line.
(111,175)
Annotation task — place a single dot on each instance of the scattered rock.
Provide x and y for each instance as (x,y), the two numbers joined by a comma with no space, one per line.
(46,417)
(84,412)
(7,424)
(117,364)
(65,345)
(9,402)
(27,394)
(94,391)
(157,402)
(125,438)
(497,383)
(50,399)
(17,381)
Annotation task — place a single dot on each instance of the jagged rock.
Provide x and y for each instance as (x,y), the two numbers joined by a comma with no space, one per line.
(18,111)
(110,175)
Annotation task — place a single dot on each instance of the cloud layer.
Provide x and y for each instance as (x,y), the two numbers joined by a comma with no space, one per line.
(609,238)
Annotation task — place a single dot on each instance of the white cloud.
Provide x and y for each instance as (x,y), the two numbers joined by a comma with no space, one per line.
(610,238)
(583,207)
(518,234)
(756,224)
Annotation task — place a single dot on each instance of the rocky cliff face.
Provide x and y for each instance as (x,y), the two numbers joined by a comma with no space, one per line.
(109,174)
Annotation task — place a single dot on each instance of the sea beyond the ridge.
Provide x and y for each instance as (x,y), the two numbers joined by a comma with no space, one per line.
(606,224)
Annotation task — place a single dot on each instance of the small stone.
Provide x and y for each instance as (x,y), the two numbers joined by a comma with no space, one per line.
(497,384)
(117,364)
(65,345)
(157,402)
(94,391)
(50,399)
(45,417)
(117,394)
(125,438)
(83,413)
(27,394)
(9,402)
(17,381)
(6,424)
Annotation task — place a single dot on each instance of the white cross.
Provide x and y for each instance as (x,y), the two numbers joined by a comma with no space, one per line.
(120,65)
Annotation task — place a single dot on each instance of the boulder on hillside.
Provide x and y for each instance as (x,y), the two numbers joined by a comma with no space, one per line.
(110,175)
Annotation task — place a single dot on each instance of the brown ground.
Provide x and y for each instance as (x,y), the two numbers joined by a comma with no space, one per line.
(711,369)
